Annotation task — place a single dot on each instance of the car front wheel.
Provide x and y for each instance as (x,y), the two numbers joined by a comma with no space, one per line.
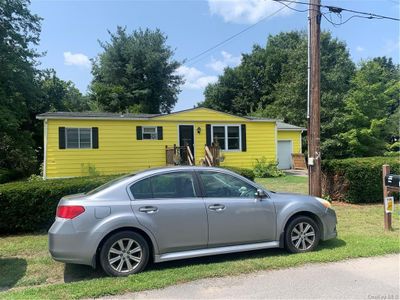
(302,235)
(124,253)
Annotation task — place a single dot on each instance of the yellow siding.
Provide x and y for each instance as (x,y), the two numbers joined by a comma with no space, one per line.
(201,114)
(294,136)
(119,151)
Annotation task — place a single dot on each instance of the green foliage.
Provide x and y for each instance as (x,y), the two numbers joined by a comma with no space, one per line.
(272,82)
(136,72)
(356,180)
(19,31)
(370,109)
(27,206)
(247,173)
(264,168)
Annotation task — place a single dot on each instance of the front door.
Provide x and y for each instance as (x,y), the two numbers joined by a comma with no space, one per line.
(235,216)
(284,155)
(168,205)
(186,137)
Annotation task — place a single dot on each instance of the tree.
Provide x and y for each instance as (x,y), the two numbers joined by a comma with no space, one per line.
(54,94)
(272,82)
(371,107)
(19,31)
(136,73)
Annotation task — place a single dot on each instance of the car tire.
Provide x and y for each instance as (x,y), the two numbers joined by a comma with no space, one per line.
(124,253)
(302,234)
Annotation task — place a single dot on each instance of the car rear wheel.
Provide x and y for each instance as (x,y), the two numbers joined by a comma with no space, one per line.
(302,235)
(124,253)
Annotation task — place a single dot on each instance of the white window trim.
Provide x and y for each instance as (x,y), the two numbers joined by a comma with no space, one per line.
(226,136)
(79,138)
(143,127)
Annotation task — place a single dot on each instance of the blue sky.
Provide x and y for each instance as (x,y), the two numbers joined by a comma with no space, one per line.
(71,30)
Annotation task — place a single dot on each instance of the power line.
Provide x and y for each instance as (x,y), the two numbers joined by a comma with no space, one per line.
(338,10)
(198,57)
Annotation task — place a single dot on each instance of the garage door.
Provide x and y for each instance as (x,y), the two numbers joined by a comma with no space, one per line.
(284,154)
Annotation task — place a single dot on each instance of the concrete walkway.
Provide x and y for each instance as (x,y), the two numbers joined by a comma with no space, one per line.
(365,278)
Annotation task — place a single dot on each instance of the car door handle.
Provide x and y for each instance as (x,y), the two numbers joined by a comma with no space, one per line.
(148,209)
(217,207)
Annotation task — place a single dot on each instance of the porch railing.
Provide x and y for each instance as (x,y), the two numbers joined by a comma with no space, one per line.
(179,155)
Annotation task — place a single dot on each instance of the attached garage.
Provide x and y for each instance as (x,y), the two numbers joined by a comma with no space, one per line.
(289,142)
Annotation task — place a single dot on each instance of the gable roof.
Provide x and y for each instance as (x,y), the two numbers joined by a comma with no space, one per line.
(285,126)
(93,115)
(129,116)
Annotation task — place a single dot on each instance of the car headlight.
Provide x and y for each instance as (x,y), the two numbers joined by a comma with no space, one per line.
(324,202)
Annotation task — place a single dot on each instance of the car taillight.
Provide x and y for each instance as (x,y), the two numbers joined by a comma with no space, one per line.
(70,211)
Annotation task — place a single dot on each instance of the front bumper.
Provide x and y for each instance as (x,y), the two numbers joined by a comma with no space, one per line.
(69,246)
(329,221)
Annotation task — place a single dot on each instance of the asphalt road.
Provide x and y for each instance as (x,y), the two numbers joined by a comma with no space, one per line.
(365,278)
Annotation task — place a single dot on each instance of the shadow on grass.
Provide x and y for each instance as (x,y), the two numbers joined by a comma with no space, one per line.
(74,272)
(79,272)
(330,244)
(11,271)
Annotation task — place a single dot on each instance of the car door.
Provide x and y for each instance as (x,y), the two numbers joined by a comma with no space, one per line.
(235,216)
(168,205)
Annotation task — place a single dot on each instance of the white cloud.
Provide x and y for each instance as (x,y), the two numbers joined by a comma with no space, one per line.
(227,60)
(194,78)
(360,49)
(245,11)
(76,59)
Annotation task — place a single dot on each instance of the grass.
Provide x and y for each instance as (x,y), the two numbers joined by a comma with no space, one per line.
(27,271)
(289,184)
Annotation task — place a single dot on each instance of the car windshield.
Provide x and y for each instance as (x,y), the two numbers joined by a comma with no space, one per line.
(108,184)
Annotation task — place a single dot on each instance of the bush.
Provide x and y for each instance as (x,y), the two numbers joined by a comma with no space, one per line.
(248,173)
(9,175)
(356,180)
(27,206)
(263,169)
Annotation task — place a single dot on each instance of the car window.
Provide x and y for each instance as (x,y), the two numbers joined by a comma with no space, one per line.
(108,184)
(220,185)
(170,185)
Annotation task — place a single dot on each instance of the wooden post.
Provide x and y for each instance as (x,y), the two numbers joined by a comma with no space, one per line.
(387,216)
(314,172)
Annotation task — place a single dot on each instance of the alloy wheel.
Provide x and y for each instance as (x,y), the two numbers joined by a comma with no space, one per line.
(303,236)
(125,255)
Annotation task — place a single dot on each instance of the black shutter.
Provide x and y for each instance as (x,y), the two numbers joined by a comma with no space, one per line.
(159,133)
(61,137)
(244,144)
(95,137)
(138,132)
(208,135)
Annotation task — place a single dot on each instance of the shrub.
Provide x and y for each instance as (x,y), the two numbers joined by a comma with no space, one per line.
(356,180)
(30,205)
(263,169)
(248,173)
(9,175)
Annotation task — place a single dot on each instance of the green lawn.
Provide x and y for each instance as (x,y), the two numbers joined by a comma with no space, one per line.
(290,184)
(27,271)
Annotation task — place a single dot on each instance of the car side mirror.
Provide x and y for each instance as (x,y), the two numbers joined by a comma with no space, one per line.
(260,194)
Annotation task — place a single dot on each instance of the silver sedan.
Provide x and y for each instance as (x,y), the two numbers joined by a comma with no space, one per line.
(182,212)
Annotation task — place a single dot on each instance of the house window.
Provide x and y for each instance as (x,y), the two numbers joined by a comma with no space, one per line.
(149,133)
(227,136)
(78,138)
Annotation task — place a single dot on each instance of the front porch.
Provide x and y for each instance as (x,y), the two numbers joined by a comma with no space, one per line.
(183,155)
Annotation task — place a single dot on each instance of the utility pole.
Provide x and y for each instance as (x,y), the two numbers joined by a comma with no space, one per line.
(314,121)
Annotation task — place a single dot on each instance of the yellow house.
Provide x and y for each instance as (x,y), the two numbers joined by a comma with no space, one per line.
(79,144)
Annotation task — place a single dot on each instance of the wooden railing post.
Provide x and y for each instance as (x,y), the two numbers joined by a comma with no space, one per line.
(387,216)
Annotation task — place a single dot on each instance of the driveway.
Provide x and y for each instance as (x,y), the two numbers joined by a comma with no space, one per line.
(364,278)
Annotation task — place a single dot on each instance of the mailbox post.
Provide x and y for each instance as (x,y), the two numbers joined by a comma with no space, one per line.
(391,183)
(387,216)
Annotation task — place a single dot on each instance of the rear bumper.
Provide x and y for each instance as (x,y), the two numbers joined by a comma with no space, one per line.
(329,221)
(69,246)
